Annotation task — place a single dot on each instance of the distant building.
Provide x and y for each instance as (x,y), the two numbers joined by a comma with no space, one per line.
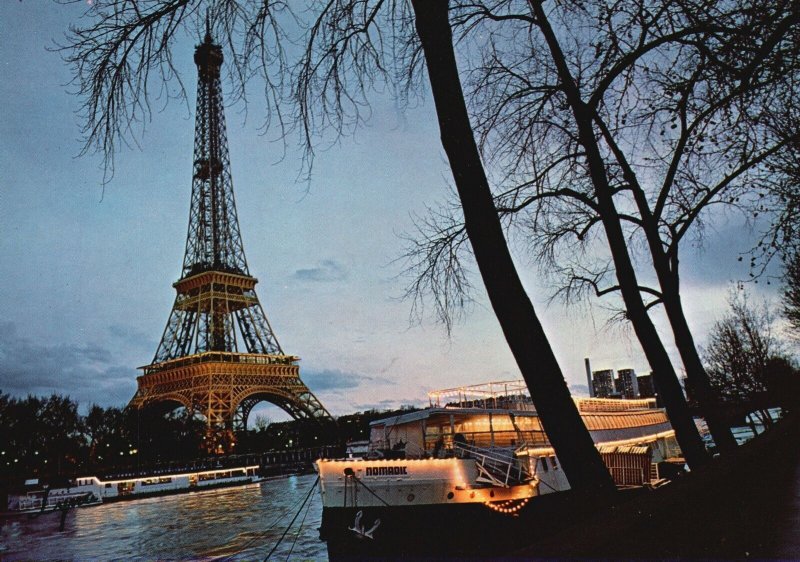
(647,387)
(603,383)
(589,376)
(627,383)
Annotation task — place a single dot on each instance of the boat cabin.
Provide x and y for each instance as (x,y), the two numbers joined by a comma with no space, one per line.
(631,435)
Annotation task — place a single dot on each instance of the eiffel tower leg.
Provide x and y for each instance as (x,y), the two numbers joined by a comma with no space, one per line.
(242,413)
(215,403)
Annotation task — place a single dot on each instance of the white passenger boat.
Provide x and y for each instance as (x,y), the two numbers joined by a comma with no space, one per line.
(91,490)
(43,499)
(471,463)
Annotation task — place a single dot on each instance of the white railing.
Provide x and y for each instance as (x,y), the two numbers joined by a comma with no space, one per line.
(495,467)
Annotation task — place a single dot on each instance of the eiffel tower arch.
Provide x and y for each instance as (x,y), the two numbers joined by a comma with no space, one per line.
(218,355)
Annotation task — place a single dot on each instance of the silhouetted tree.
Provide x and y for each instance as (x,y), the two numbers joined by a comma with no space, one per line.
(675,109)
(94,425)
(60,432)
(165,436)
(782,379)
(40,437)
(111,435)
(512,306)
(6,432)
(740,348)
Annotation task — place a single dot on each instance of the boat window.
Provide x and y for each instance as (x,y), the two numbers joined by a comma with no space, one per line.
(108,485)
(544,464)
(554,463)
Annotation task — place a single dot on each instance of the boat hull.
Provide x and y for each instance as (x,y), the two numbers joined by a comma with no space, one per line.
(433,531)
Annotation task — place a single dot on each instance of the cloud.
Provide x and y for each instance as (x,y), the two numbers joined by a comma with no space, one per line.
(326,271)
(580,390)
(389,404)
(86,373)
(132,336)
(333,379)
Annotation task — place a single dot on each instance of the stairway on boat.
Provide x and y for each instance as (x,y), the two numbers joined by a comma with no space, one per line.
(497,466)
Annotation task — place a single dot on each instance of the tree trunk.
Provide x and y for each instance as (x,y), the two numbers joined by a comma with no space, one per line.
(750,419)
(667,381)
(669,283)
(695,372)
(579,458)
(765,415)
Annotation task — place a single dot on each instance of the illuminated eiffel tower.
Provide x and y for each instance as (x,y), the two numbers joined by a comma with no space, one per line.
(218,356)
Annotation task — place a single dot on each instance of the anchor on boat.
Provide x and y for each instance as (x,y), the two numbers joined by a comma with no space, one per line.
(358,528)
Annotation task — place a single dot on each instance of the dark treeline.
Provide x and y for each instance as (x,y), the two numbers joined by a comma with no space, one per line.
(301,434)
(47,438)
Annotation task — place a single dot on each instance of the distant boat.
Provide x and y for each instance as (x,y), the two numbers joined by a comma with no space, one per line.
(90,490)
(43,499)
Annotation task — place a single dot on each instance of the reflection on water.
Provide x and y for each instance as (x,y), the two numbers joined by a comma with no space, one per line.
(240,523)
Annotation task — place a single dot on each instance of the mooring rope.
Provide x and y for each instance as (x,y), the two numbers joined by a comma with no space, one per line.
(308,495)
(367,488)
(258,536)
(299,529)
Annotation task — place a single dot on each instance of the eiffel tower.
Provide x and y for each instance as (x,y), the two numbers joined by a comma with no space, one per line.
(219,356)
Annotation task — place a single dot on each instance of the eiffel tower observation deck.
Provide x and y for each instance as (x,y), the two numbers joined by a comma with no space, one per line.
(219,356)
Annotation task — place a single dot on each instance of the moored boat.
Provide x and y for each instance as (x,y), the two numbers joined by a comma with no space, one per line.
(474,469)
(43,499)
(92,490)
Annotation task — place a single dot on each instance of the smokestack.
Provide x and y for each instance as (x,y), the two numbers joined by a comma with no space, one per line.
(589,376)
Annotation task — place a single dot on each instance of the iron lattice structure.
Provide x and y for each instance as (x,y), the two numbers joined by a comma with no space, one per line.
(219,356)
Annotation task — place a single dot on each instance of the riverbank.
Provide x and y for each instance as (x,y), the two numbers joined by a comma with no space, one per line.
(742,506)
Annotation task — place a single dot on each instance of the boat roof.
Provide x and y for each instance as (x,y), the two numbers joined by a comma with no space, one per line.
(514,394)
(504,398)
(587,406)
(410,417)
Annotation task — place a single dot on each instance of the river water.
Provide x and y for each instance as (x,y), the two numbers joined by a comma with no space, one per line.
(238,523)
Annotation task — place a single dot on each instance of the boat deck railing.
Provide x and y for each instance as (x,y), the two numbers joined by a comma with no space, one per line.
(496,466)
(486,439)
(491,395)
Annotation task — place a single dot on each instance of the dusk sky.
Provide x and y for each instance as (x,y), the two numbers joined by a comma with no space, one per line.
(86,272)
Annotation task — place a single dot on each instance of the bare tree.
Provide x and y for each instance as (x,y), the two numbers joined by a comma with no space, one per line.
(523,331)
(350,47)
(677,109)
(262,423)
(123,61)
(740,348)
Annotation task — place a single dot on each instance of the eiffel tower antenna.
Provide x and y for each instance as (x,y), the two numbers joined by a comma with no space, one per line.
(218,355)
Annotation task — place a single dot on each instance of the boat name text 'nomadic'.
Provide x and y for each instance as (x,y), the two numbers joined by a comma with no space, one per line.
(386,470)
